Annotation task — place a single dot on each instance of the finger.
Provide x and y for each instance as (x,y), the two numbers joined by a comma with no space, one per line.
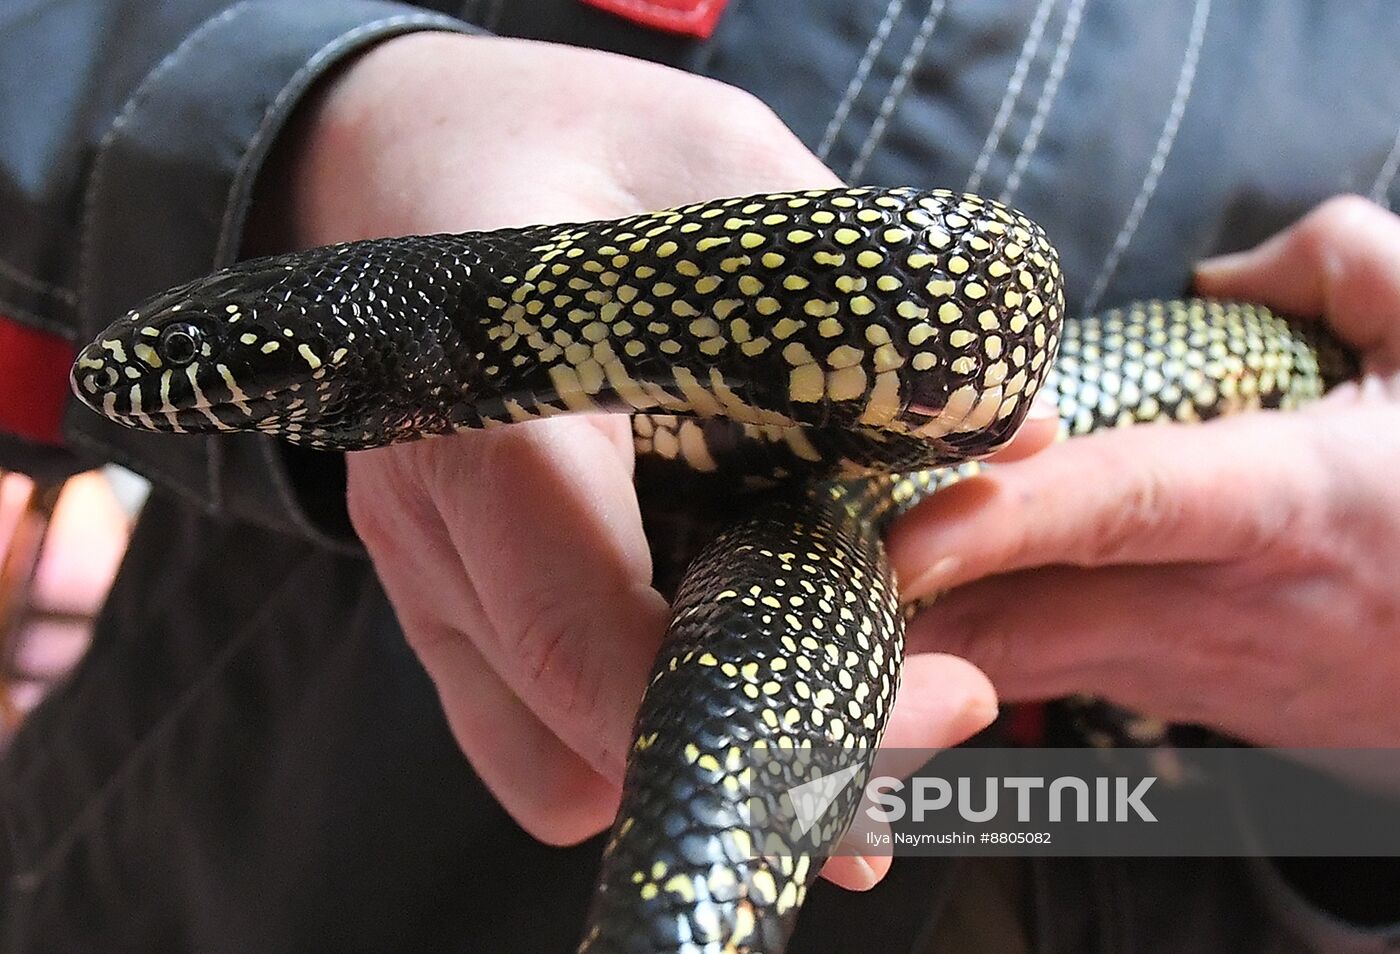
(536,778)
(545,522)
(543,784)
(1050,632)
(942,701)
(858,872)
(1161,641)
(1341,261)
(1156,494)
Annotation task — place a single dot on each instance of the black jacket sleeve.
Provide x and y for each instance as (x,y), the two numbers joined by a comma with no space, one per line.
(134,133)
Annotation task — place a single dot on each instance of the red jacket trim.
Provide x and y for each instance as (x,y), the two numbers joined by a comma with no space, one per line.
(33,382)
(695,18)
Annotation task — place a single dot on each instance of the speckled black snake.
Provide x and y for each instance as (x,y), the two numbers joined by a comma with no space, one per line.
(821,351)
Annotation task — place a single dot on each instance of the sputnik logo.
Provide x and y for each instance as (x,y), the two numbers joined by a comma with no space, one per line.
(810,800)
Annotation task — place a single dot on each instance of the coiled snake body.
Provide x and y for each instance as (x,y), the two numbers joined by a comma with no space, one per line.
(817,355)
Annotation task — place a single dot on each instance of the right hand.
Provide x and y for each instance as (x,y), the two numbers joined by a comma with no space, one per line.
(515,557)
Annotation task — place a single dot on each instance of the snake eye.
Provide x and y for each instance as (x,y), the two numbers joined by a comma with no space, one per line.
(179,344)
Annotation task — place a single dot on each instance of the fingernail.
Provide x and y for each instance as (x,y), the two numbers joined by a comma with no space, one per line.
(1372,389)
(863,875)
(933,579)
(978,713)
(968,706)
(1221,264)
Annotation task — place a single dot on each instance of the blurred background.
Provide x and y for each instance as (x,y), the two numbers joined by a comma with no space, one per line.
(59,550)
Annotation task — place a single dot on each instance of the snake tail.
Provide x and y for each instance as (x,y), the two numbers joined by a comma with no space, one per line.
(780,667)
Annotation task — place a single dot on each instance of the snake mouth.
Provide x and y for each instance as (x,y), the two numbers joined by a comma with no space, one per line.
(270,411)
(189,420)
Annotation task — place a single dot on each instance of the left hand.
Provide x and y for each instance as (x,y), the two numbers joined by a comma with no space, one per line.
(1242,574)
(515,557)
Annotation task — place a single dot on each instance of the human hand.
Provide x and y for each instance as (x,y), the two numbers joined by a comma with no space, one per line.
(1239,574)
(515,558)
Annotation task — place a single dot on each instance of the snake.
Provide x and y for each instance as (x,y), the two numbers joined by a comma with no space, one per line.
(799,367)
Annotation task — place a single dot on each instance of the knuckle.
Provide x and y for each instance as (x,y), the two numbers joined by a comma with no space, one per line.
(744,112)
(1280,533)
(544,642)
(1343,210)
(360,495)
(743,128)
(363,516)
(1340,218)
(1294,525)
(388,505)
(966,625)
(735,138)
(430,638)
(1145,510)
(374,527)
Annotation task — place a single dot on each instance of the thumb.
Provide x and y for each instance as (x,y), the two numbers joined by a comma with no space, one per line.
(942,701)
(1341,261)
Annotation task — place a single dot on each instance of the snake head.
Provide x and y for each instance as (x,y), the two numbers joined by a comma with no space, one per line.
(241,350)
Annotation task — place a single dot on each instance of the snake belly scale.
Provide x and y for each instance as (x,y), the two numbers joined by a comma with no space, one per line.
(817,355)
